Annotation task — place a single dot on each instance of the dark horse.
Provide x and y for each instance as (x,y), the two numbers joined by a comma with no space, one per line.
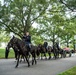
(58,51)
(9,45)
(55,50)
(34,53)
(21,50)
(41,50)
(8,49)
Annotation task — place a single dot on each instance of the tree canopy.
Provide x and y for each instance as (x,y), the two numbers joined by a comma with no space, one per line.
(55,19)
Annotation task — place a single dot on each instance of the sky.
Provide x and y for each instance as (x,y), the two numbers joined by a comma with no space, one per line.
(1,1)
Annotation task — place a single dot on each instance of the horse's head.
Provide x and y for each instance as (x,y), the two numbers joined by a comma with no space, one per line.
(13,40)
(10,44)
(39,47)
(7,49)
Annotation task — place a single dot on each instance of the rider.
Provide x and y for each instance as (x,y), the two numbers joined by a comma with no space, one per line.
(57,45)
(45,45)
(27,38)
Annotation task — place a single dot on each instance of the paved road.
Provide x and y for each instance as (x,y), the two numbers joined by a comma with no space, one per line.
(44,67)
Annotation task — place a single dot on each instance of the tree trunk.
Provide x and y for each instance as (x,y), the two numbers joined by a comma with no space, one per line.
(53,39)
(28,22)
(74,44)
(67,44)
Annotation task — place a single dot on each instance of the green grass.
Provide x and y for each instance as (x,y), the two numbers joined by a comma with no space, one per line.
(11,53)
(2,53)
(72,71)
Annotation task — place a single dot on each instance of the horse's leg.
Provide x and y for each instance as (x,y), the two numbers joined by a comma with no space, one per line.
(24,58)
(38,55)
(45,55)
(6,54)
(64,54)
(27,59)
(17,61)
(55,54)
(16,55)
(21,58)
(35,58)
(61,54)
(41,56)
(32,58)
(58,54)
(49,55)
(70,54)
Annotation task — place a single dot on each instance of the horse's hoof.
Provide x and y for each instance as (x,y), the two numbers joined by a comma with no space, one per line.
(28,65)
(35,62)
(41,59)
(32,63)
(16,66)
(20,61)
(15,60)
(49,58)
(45,58)
(24,61)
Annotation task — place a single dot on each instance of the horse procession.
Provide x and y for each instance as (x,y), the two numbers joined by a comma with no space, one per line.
(27,51)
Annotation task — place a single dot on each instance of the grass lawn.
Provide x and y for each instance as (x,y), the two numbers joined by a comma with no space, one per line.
(2,53)
(72,71)
(11,53)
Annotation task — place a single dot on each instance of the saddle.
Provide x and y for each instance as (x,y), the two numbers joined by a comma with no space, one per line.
(29,46)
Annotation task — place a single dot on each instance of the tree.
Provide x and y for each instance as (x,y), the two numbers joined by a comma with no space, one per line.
(68,32)
(4,36)
(51,24)
(70,4)
(17,16)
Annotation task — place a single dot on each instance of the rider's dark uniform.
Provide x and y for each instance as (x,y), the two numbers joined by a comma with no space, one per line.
(45,45)
(57,45)
(27,40)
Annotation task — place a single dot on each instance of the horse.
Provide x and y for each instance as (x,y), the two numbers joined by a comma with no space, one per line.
(42,51)
(9,45)
(34,53)
(32,50)
(21,49)
(55,51)
(58,51)
(49,51)
(62,53)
